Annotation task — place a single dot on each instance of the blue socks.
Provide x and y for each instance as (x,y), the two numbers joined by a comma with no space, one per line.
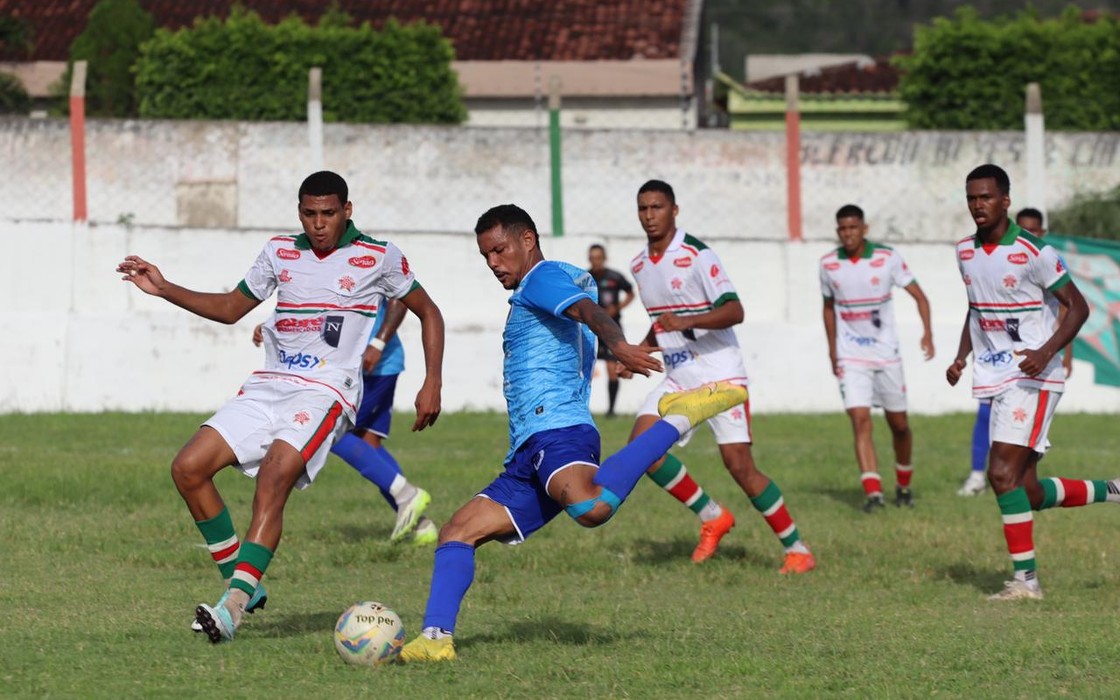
(451,577)
(980,437)
(375,464)
(620,472)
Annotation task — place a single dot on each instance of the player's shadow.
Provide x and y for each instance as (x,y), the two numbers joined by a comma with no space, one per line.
(676,551)
(551,629)
(983,580)
(292,625)
(852,497)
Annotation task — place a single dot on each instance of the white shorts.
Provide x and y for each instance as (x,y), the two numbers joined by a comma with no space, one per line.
(264,411)
(731,426)
(867,386)
(1021,416)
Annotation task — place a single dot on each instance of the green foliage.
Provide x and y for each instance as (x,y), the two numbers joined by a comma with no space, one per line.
(110,42)
(242,68)
(1089,216)
(13,97)
(968,73)
(15,34)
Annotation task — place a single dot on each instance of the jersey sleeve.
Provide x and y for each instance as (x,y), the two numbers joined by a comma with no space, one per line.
(901,276)
(1049,270)
(717,285)
(551,290)
(826,288)
(396,279)
(260,281)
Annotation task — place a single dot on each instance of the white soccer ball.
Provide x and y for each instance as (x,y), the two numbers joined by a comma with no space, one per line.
(368,634)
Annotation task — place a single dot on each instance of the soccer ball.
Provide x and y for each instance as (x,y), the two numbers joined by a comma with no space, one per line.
(368,634)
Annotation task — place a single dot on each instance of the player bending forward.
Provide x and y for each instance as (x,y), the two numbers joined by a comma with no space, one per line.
(280,426)
(856,282)
(1009,329)
(693,308)
(553,461)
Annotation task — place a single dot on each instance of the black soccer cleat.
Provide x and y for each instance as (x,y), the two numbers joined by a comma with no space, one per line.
(903,497)
(873,503)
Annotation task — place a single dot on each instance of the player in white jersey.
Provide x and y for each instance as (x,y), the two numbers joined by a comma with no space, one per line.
(693,308)
(856,282)
(1010,332)
(283,421)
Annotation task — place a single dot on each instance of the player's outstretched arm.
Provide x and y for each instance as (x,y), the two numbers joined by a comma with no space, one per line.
(953,374)
(723,316)
(428,402)
(636,358)
(1077,312)
(223,307)
(923,311)
(829,315)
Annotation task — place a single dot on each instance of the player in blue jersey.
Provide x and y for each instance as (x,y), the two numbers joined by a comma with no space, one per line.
(362,447)
(553,463)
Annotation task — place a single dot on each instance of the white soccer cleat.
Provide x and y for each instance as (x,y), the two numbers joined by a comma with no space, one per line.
(1019,590)
(974,485)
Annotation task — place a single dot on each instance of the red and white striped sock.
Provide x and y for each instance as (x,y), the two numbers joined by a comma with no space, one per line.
(872,484)
(902,473)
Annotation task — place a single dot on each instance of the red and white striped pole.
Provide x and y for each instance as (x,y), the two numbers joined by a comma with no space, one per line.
(78,138)
(793,159)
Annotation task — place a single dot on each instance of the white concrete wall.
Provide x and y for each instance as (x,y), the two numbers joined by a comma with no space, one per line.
(80,339)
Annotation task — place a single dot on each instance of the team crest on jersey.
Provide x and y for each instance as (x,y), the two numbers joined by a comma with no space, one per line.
(968,280)
(301,417)
(878,262)
(968,254)
(363,261)
(285,276)
(686,261)
(1059,268)
(287,254)
(346,283)
(676,283)
(1010,281)
(714,272)
(404,264)
(832,267)
(875,281)
(1017,258)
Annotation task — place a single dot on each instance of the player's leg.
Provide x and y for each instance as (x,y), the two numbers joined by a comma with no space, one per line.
(857,390)
(977,481)
(193,470)
(612,383)
(903,441)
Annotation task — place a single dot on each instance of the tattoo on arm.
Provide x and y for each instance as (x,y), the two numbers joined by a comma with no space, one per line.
(598,320)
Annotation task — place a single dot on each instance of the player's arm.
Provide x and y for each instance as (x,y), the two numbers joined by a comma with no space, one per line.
(634,357)
(223,307)
(726,315)
(923,311)
(431,337)
(829,315)
(1067,354)
(393,311)
(953,374)
(1077,312)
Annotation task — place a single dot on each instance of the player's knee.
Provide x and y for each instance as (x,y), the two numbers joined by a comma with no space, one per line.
(1001,477)
(187,472)
(593,512)
(900,430)
(597,516)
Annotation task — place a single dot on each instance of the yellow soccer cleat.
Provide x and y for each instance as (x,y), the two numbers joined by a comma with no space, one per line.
(409,514)
(424,649)
(700,404)
(426,533)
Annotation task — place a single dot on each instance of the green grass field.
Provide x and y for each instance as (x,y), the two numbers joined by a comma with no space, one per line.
(101,567)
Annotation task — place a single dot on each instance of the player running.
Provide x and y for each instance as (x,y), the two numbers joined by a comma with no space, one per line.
(615,294)
(693,308)
(553,463)
(362,448)
(1010,331)
(856,282)
(1030,220)
(280,426)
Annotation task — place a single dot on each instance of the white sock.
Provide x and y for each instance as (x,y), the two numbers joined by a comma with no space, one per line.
(710,511)
(435,633)
(679,422)
(798,547)
(401,490)
(235,604)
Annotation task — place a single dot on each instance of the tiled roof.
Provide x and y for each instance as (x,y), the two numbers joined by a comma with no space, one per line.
(855,77)
(482,30)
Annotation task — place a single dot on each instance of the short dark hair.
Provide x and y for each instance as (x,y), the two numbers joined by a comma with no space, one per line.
(849,210)
(596,246)
(659,186)
(513,219)
(323,184)
(988,170)
(1030,212)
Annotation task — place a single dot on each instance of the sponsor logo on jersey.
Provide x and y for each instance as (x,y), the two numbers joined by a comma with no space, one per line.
(855,315)
(714,272)
(637,267)
(301,417)
(1059,268)
(299,325)
(1017,258)
(404,265)
(346,283)
(999,358)
(878,262)
(332,330)
(363,261)
(876,320)
(285,276)
(299,360)
(288,254)
(968,254)
(992,324)
(676,359)
(968,280)
(686,261)
(861,340)
(832,266)
(1013,329)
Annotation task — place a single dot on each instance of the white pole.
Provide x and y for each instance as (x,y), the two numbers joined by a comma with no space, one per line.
(315,117)
(1036,149)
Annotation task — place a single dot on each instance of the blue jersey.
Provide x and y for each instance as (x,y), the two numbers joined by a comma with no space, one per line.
(548,356)
(392,357)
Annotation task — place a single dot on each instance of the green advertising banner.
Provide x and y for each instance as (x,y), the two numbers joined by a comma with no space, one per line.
(1095,266)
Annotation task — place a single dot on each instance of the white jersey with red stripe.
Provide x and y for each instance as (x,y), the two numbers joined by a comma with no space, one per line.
(690,279)
(861,292)
(325,308)
(1007,285)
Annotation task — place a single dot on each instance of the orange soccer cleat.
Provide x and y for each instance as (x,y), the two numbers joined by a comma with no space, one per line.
(711,533)
(798,563)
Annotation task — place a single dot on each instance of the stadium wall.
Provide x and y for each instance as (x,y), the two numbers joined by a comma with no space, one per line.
(80,339)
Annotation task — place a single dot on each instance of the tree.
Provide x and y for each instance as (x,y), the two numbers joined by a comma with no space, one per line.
(111,43)
(14,37)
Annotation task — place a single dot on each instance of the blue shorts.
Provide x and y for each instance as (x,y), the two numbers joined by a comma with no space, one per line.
(376,412)
(522,489)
